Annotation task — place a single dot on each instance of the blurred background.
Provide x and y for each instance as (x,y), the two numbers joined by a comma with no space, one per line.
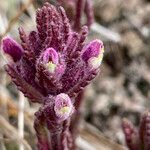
(121,90)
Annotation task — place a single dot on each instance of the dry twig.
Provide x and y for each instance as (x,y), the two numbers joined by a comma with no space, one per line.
(12,133)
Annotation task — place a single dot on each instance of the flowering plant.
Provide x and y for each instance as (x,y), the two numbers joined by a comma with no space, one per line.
(138,138)
(51,67)
(75,10)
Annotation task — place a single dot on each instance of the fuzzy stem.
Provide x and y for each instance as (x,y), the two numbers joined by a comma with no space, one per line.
(131,135)
(79,10)
(41,133)
(66,144)
(89,12)
(55,140)
(76,118)
(77,115)
(55,131)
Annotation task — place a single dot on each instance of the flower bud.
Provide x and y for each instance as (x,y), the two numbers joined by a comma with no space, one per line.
(63,107)
(12,48)
(93,53)
(50,59)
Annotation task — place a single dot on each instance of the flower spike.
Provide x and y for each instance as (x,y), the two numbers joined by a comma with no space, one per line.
(138,138)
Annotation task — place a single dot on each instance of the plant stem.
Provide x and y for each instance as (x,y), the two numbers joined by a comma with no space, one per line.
(76,118)
(41,132)
(66,143)
(55,132)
